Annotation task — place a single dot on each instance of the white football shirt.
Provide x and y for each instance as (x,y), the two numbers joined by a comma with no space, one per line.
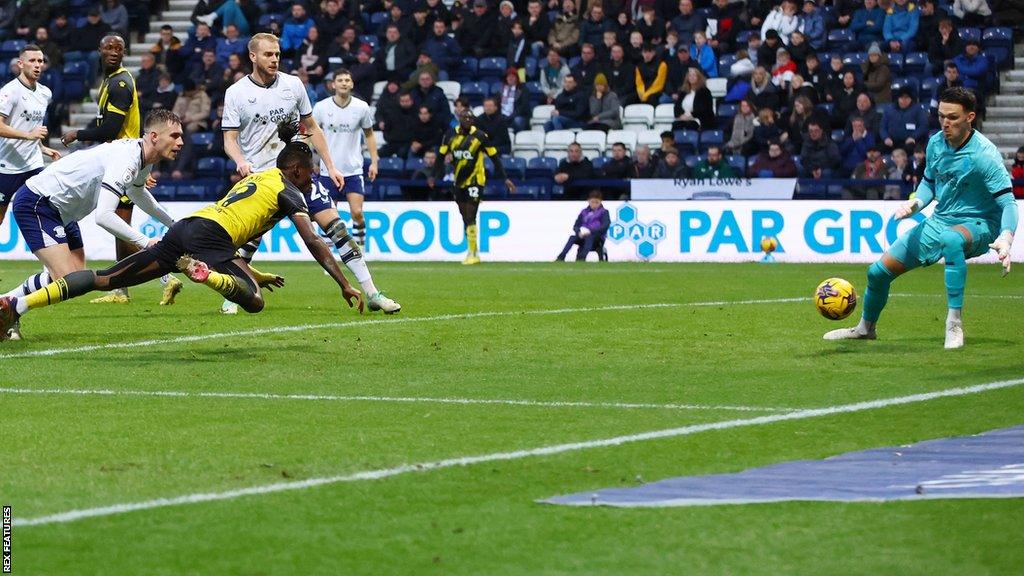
(255,111)
(343,129)
(73,183)
(24,109)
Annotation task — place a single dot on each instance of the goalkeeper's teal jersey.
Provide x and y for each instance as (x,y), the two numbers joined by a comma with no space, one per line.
(966,180)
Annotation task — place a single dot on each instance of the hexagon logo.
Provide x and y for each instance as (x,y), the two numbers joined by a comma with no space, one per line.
(644,236)
(626,213)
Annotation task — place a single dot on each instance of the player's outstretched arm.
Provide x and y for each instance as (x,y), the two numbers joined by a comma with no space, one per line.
(1008,225)
(144,199)
(323,255)
(107,219)
(316,136)
(234,151)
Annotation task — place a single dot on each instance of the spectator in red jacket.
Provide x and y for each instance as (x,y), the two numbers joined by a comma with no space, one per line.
(1017,173)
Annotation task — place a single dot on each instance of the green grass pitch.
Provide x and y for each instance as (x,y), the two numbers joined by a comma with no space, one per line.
(599,350)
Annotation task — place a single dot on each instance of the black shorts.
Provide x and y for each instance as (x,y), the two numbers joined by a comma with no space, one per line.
(125,202)
(203,239)
(469,193)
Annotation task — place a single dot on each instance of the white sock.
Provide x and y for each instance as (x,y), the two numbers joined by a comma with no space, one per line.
(865,327)
(30,285)
(351,255)
(953,315)
(22,305)
(362,273)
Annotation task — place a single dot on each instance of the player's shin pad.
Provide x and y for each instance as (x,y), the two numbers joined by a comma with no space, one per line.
(471,238)
(70,286)
(348,251)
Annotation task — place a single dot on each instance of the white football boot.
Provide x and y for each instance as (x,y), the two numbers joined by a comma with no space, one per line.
(954,334)
(855,333)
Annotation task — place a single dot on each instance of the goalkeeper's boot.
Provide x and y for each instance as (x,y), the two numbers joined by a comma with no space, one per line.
(855,333)
(118,296)
(15,332)
(954,334)
(381,302)
(171,290)
(8,315)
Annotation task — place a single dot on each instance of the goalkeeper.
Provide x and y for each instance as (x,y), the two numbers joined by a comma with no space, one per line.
(974,211)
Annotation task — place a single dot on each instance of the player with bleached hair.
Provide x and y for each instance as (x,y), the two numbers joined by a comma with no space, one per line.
(975,211)
(254,108)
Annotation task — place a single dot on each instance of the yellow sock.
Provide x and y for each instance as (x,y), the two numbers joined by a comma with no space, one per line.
(226,285)
(52,293)
(471,239)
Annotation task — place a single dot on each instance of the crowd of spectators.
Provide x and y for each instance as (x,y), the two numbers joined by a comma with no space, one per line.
(811,90)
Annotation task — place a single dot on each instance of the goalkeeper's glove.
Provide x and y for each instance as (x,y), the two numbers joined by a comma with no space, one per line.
(1002,247)
(909,208)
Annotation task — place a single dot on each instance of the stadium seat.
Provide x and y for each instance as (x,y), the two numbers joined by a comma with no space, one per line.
(664,113)
(744,35)
(896,64)
(515,167)
(452,90)
(837,135)
(467,69)
(413,164)
(378,89)
(556,143)
(725,114)
(855,59)
(528,144)
(541,114)
(525,193)
(369,39)
(638,115)
(718,87)
(724,65)
(627,137)
(491,69)
(210,167)
(389,192)
(201,143)
(692,160)
(686,141)
(997,37)
(190,192)
(839,38)
(916,64)
(592,141)
(597,162)
(531,67)
(537,95)
(391,167)
(10,48)
(910,83)
(710,138)
(651,138)
(266,19)
(928,86)
(163,191)
(475,92)
(541,167)
(377,19)
(967,34)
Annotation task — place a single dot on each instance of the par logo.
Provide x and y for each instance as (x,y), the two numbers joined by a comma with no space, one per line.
(153,228)
(645,236)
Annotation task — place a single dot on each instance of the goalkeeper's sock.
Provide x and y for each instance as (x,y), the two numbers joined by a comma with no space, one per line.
(351,255)
(70,286)
(31,284)
(954,315)
(471,239)
(956,267)
(228,285)
(877,293)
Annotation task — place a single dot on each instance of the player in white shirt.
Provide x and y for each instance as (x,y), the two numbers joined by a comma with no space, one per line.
(346,120)
(254,108)
(49,205)
(23,103)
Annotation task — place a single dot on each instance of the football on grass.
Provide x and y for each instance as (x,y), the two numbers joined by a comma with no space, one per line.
(835,298)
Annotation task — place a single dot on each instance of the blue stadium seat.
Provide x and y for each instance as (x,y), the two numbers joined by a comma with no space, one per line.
(413,164)
(495,191)
(725,114)
(837,135)
(724,63)
(686,141)
(474,92)
(855,58)
(999,57)
(738,163)
(827,108)
(910,83)
(692,160)
(598,162)
(201,142)
(997,37)
(190,192)
(743,36)
(896,63)
(369,39)
(928,86)
(390,192)
(967,34)
(209,167)
(376,19)
(466,70)
(3,69)
(837,39)
(525,193)
(494,89)
(266,19)
(515,167)
(542,167)
(916,64)
(709,138)
(531,68)
(391,167)
(74,70)
(491,69)
(163,191)
(536,93)
(10,48)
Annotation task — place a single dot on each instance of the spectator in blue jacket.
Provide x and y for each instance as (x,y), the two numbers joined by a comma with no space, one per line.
(295,29)
(194,48)
(973,66)
(429,94)
(589,230)
(867,25)
(687,23)
(813,25)
(702,53)
(443,49)
(901,26)
(592,28)
(905,125)
(231,43)
(854,148)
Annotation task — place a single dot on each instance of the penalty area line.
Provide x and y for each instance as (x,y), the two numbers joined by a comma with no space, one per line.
(404,320)
(73,515)
(395,399)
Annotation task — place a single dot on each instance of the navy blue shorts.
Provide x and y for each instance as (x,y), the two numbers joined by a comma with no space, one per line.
(324,193)
(40,222)
(9,184)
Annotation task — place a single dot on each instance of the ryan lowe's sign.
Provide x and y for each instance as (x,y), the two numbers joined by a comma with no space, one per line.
(659,231)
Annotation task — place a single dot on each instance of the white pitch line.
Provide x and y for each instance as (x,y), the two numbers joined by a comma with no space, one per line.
(73,515)
(400,399)
(404,320)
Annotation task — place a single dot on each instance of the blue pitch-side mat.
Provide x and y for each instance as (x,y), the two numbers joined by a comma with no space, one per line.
(989,465)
